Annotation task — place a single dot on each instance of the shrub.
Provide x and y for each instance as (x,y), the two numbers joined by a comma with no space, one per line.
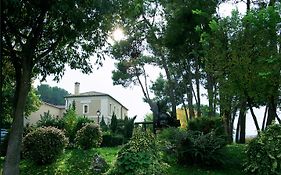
(113,123)
(44,145)
(80,122)
(139,156)
(48,120)
(208,124)
(170,139)
(73,123)
(191,147)
(89,136)
(103,125)
(109,140)
(201,149)
(28,129)
(128,127)
(263,153)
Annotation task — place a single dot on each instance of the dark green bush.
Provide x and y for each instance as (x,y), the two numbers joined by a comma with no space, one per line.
(170,139)
(113,123)
(201,149)
(191,147)
(89,136)
(44,145)
(207,124)
(263,153)
(140,156)
(103,125)
(128,127)
(109,140)
(80,122)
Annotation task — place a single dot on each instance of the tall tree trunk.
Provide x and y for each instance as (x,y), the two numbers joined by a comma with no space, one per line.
(210,91)
(227,124)
(242,117)
(264,117)
(250,105)
(12,160)
(233,116)
(197,81)
(171,89)
(237,135)
(189,92)
(248,5)
(215,101)
(185,109)
(272,107)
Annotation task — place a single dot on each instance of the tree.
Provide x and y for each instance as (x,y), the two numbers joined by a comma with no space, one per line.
(244,58)
(103,125)
(39,38)
(8,89)
(113,123)
(52,95)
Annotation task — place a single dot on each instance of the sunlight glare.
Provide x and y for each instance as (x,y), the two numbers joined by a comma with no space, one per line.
(118,34)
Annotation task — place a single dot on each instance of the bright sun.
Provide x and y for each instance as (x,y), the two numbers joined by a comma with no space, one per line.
(118,34)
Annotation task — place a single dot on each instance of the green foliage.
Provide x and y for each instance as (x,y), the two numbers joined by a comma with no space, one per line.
(103,125)
(207,124)
(52,95)
(263,153)
(28,129)
(73,123)
(170,139)
(48,120)
(113,123)
(139,156)
(201,149)
(44,145)
(112,140)
(128,127)
(89,136)
(80,122)
(191,147)
(8,89)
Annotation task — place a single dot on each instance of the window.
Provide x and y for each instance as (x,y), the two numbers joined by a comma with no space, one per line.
(85,109)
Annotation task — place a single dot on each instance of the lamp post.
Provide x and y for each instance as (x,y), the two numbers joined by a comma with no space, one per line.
(98,114)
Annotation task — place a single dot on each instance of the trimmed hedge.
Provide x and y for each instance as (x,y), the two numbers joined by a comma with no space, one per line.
(89,136)
(44,145)
(208,124)
(109,140)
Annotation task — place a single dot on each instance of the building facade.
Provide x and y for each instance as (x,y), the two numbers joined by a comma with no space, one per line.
(94,105)
(34,117)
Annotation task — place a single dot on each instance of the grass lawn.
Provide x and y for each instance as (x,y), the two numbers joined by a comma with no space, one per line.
(72,162)
(78,162)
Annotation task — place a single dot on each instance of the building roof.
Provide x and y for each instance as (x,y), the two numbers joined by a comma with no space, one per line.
(55,106)
(93,94)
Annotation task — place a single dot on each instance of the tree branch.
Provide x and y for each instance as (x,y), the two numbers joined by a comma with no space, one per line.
(49,49)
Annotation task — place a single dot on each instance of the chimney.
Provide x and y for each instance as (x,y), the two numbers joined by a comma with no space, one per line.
(76,88)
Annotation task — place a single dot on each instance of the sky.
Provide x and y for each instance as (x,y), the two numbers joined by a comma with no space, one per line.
(132,97)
